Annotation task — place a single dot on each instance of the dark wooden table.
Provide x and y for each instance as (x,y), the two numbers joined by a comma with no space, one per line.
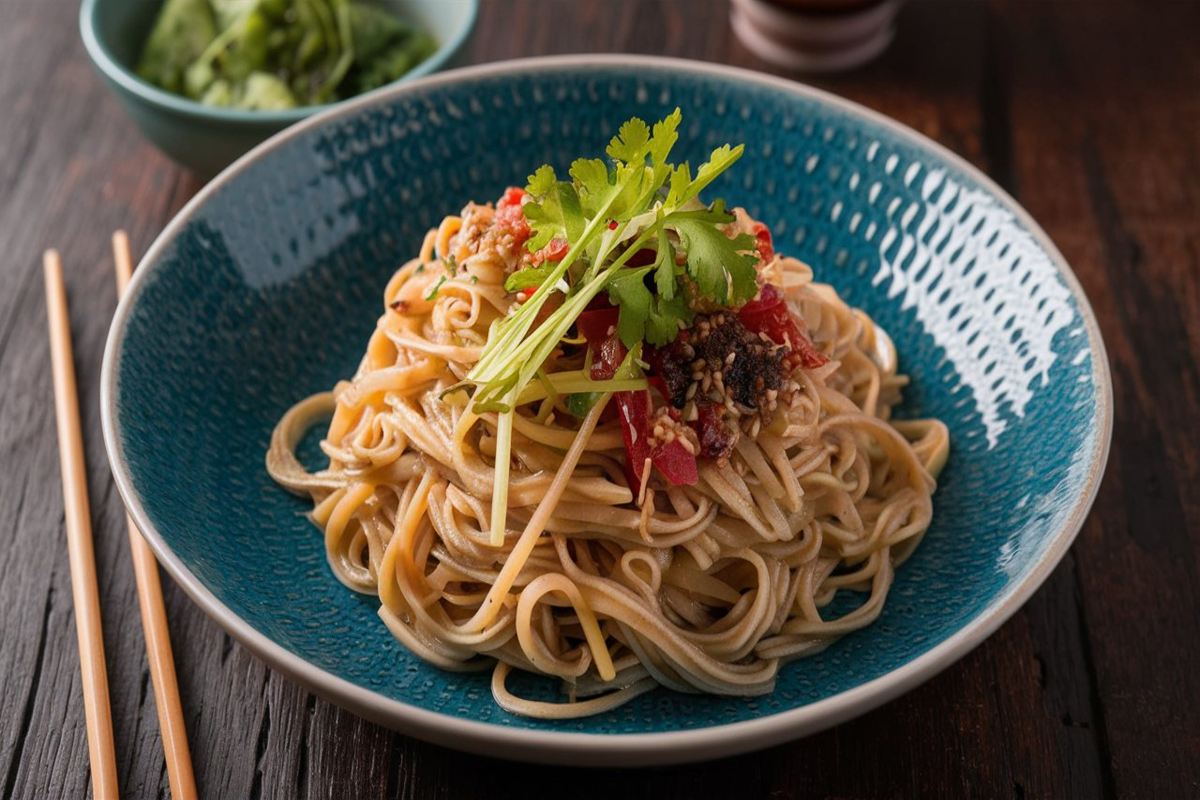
(1088,112)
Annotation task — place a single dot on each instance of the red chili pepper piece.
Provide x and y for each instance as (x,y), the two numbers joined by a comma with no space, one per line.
(768,313)
(513,196)
(766,250)
(594,323)
(555,251)
(633,408)
(672,459)
(675,463)
(607,358)
(511,217)
(716,438)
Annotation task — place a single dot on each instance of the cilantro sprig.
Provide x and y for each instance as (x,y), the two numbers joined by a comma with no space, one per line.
(607,213)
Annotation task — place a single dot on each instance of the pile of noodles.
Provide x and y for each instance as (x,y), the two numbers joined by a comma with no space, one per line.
(705,588)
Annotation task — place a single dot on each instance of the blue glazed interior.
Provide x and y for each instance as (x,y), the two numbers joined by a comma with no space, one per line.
(270,290)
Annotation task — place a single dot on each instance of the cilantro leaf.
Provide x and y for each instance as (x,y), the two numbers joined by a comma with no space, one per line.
(628,291)
(715,261)
(645,317)
(666,133)
(529,277)
(662,326)
(437,287)
(665,271)
(681,180)
(629,145)
(594,184)
(721,159)
(556,215)
(541,181)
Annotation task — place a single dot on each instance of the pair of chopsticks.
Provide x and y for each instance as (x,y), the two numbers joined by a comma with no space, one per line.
(101,747)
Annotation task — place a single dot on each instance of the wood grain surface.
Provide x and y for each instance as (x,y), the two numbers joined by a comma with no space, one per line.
(1088,112)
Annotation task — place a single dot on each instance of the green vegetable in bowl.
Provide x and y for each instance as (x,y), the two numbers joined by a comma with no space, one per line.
(386,47)
(260,91)
(275,54)
(182,32)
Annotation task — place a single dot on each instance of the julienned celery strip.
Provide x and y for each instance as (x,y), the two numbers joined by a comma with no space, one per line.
(559,383)
(568,313)
(517,326)
(500,491)
(544,380)
(573,383)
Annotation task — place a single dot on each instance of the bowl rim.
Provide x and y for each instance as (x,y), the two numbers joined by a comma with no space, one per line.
(625,749)
(112,68)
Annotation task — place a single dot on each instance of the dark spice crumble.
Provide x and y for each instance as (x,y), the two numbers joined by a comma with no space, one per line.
(726,361)
(725,379)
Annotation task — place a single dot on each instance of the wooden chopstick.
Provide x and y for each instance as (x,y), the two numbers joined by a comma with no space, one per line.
(97,712)
(154,616)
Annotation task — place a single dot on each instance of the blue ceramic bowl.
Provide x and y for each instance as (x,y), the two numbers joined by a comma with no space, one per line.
(266,288)
(205,138)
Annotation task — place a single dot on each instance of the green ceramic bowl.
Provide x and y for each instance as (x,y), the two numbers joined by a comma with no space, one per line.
(207,139)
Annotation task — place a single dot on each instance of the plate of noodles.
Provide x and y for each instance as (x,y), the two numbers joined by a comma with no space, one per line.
(606,410)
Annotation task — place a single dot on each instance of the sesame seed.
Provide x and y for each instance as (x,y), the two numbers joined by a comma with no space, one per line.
(699,364)
(691,391)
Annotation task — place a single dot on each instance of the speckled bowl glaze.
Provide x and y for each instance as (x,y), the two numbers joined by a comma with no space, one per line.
(267,285)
